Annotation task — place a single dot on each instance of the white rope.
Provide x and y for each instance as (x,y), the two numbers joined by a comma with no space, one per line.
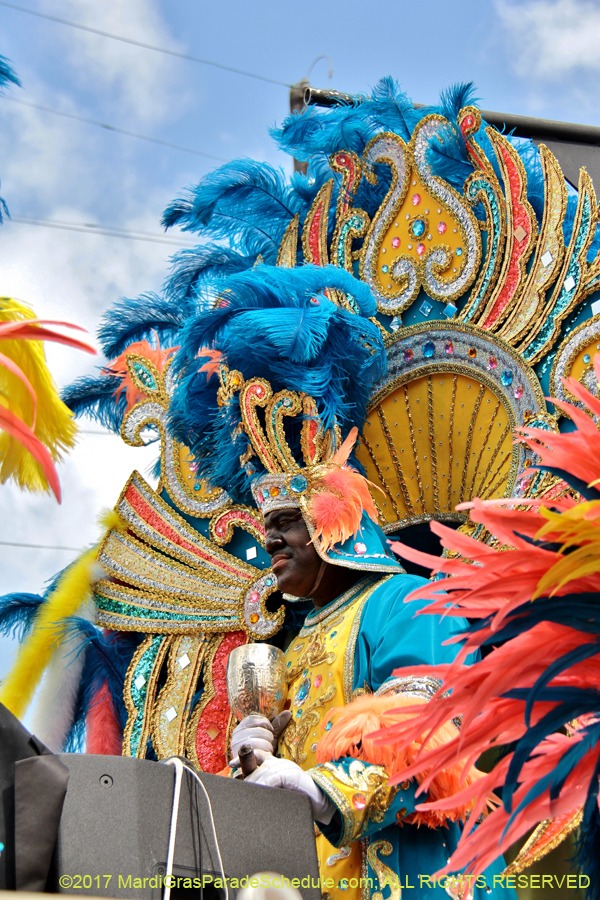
(179,767)
(214,830)
(173,827)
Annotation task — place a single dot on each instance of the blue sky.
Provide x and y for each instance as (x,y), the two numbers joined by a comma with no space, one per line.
(537,57)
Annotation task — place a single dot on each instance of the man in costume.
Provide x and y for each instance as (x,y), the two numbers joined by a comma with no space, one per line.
(325,544)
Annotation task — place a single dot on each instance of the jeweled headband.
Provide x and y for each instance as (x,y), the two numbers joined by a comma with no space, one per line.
(332,495)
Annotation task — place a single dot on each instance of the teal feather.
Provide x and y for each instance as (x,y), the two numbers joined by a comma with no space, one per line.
(271,327)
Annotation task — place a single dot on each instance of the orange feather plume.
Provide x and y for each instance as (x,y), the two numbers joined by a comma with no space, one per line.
(215,361)
(339,497)
(118,368)
(352,735)
(545,553)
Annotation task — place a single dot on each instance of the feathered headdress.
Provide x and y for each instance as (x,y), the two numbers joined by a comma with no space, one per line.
(271,377)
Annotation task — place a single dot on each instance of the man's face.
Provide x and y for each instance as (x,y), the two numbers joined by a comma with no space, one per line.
(294,559)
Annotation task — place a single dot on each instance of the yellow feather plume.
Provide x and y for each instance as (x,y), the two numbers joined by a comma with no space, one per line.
(578,531)
(54,424)
(48,629)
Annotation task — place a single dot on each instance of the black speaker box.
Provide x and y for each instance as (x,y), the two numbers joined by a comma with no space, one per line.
(19,748)
(116,819)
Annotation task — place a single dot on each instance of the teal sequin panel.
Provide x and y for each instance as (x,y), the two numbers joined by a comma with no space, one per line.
(482,185)
(139,694)
(145,376)
(118,607)
(565,297)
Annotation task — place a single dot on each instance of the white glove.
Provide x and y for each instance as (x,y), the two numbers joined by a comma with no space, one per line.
(261,734)
(283,773)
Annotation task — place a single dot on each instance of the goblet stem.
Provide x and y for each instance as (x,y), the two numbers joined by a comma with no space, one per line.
(248,762)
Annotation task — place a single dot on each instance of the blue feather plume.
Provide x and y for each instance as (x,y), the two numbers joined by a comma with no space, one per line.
(107,658)
(93,396)
(17,612)
(7,74)
(189,268)
(272,327)
(242,201)
(317,133)
(135,320)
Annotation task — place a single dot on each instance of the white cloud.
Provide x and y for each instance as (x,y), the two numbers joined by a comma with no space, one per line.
(552,38)
(52,168)
(142,84)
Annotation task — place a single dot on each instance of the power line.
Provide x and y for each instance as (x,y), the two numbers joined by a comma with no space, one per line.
(124,40)
(38,546)
(141,137)
(98,229)
(101,433)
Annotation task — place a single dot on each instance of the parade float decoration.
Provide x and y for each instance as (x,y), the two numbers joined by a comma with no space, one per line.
(483,262)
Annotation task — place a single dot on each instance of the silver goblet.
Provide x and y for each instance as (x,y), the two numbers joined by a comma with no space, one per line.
(256,681)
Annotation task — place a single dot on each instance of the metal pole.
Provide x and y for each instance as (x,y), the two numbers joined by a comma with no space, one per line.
(297,104)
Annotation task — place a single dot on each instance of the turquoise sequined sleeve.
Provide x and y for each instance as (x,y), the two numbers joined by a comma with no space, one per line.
(392,635)
(365,802)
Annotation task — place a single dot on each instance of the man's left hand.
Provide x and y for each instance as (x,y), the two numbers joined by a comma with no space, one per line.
(283,773)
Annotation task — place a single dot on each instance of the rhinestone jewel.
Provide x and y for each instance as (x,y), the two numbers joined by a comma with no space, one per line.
(448,347)
(420,249)
(492,362)
(395,242)
(359,801)
(360,548)
(442,227)
(415,199)
(318,680)
(254,597)
(254,618)
(518,392)
(298,483)
(472,352)
(384,269)
(303,691)
(329,726)
(428,349)
(459,251)
(506,378)
(418,227)
(407,354)
(586,358)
